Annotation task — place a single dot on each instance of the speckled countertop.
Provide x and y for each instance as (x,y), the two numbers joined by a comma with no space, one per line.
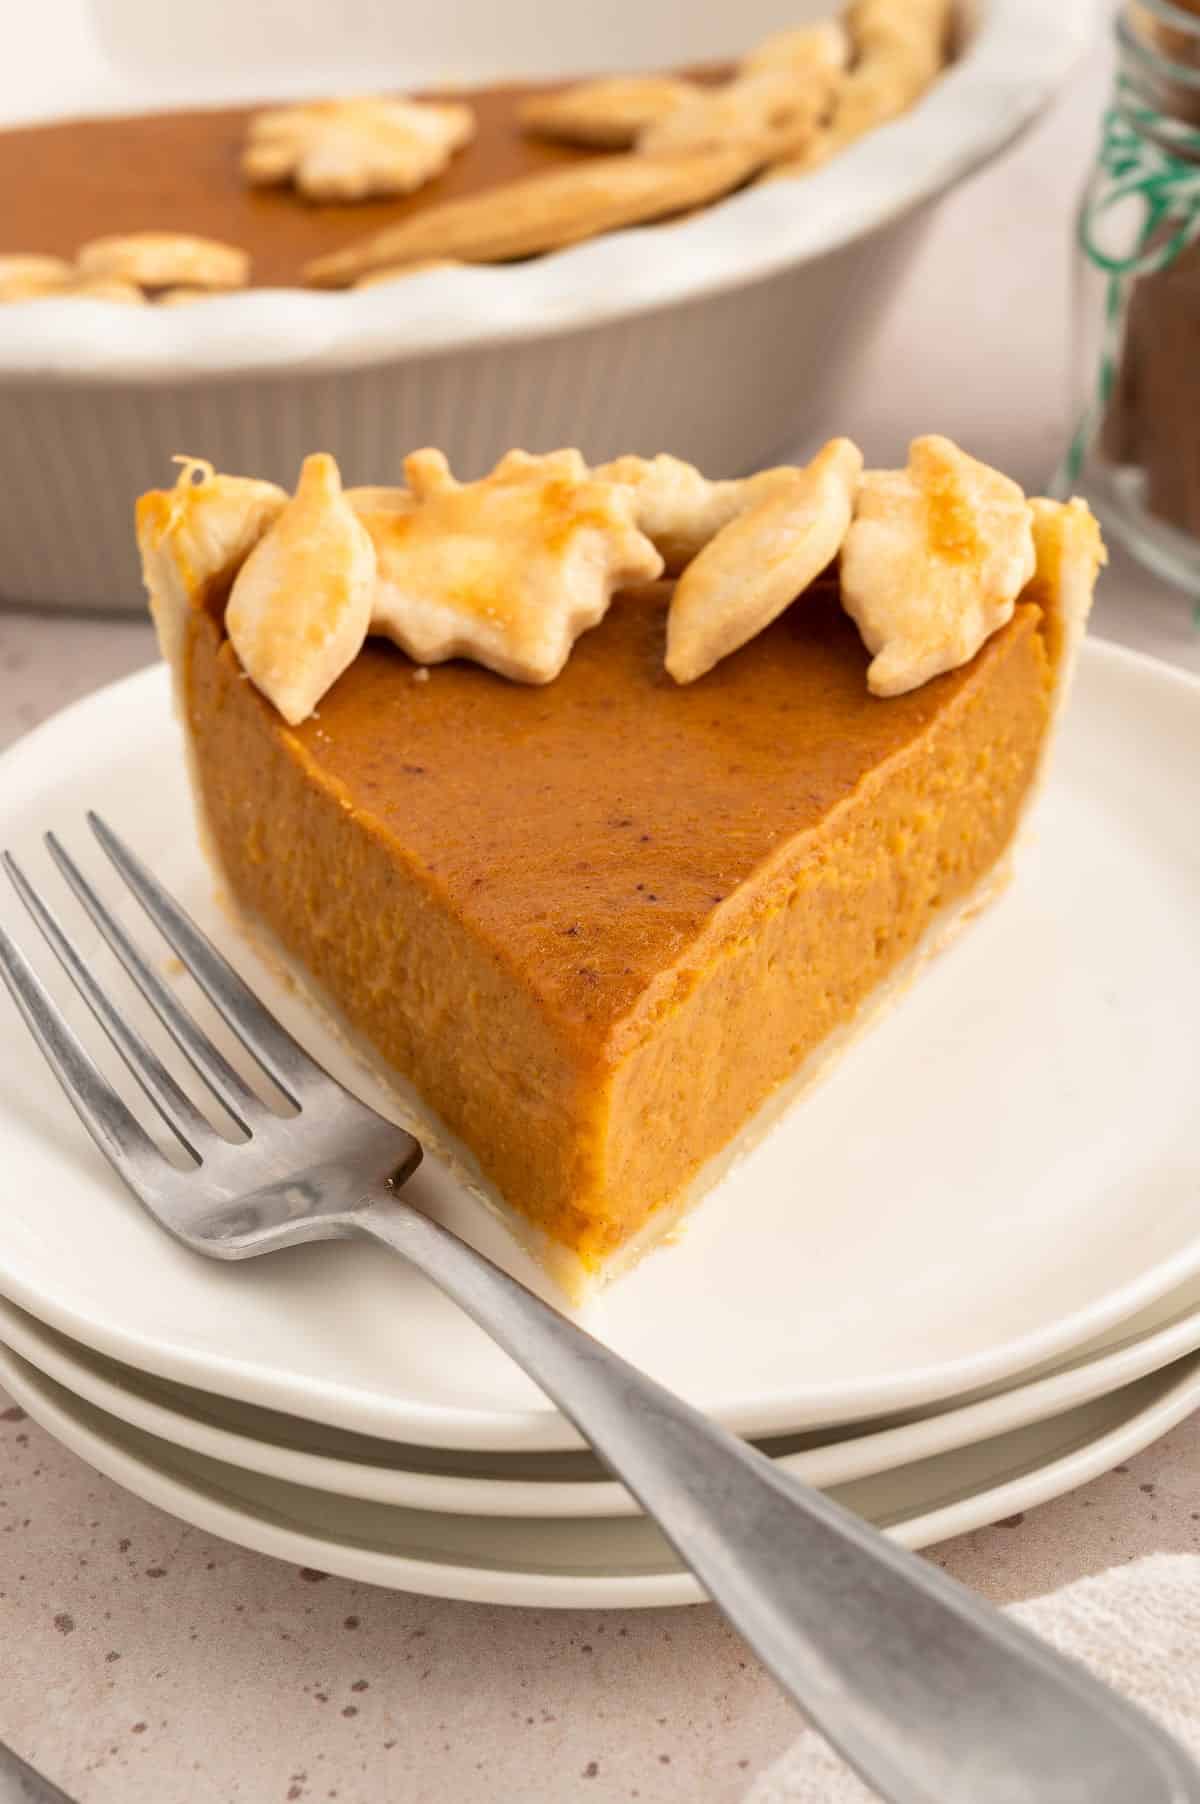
(144,1662)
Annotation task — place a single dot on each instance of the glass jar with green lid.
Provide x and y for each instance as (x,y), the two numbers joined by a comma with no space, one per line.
(1135,451)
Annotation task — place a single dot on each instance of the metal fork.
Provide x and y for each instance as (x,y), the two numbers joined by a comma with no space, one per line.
(929,1693)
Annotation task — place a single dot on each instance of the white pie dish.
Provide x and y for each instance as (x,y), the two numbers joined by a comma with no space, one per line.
(720,338)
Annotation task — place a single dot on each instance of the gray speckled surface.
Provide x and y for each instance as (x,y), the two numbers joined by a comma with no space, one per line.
(146,1663)
(145,1660)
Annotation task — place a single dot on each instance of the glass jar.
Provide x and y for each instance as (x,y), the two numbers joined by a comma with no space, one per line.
(1135,452)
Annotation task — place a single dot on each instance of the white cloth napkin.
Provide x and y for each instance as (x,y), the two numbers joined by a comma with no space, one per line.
(1137,1627)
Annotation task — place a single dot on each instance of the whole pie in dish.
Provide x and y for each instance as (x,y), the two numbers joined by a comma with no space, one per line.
(352,190)
(606,804)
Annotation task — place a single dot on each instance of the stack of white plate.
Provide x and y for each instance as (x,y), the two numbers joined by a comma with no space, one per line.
(962,1278)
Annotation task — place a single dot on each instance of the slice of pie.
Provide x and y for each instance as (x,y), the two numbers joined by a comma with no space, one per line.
(608,865)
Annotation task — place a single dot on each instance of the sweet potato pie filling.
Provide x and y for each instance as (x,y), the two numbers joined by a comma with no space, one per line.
(596,924)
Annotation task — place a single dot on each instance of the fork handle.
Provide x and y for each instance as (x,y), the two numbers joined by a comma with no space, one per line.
(931,1695)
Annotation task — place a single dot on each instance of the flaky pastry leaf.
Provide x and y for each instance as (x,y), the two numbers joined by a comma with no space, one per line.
(545,212)
(770,110)
(607,114)
(166,260)
(351,148)
(802,50)
(899,49)
(193,537)
(933,562)
(206,525)
(507,571)
(25,273)
(301,603)
(778,99)
(1070,556)
(677,507)
(77,288)
(761,561)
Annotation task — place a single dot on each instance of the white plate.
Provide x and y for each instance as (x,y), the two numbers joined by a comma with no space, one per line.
(605,1564)
(1005,1168)
(575,1484)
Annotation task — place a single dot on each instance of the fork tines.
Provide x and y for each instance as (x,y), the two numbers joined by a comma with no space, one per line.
(106,1117)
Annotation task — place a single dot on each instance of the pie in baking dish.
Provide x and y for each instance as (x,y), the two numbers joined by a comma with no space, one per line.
(357,189)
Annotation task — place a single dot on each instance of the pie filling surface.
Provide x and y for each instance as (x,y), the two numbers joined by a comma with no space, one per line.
(179,172)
